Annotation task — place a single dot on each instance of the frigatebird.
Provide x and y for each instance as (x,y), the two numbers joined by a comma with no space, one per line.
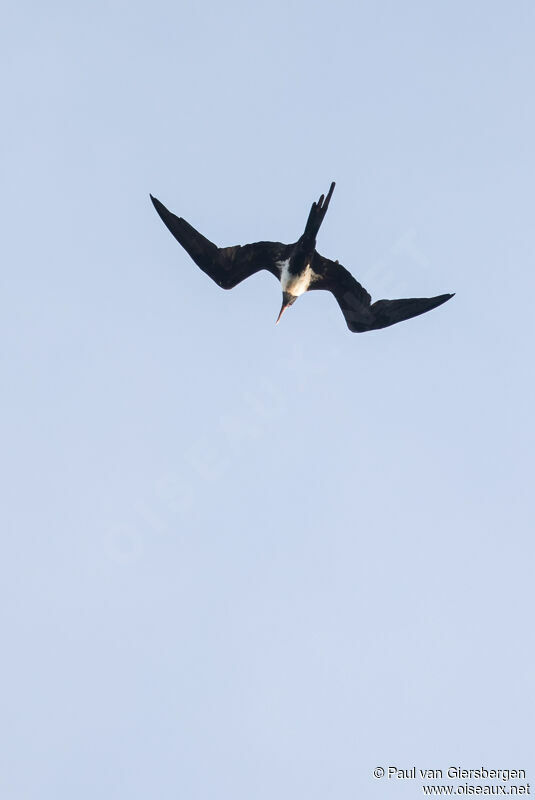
(299,267)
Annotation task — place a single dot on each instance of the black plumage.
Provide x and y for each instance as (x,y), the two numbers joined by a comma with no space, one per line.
(299,267)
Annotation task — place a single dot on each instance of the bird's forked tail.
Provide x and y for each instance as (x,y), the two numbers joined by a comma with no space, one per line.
(317,213)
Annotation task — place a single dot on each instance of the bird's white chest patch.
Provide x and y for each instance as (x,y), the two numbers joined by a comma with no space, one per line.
(296,284)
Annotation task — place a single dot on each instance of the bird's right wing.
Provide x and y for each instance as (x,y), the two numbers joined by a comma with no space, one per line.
(227,266)
(355,302)
(352,298)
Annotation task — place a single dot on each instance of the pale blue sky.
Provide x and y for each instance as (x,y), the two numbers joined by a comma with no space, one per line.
(246,561)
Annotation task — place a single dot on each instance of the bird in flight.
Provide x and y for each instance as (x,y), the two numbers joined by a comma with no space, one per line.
(299,268)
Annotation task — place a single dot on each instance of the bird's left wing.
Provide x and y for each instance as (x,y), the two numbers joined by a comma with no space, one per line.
(227,266)
(355,302)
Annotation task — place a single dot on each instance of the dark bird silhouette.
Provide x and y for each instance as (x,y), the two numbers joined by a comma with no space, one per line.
(299,267)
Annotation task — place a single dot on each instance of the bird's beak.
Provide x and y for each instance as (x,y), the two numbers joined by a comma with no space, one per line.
(287,300)
(281,312)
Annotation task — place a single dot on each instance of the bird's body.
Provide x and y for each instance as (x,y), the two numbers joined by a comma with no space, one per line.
(298,283)
(299,268)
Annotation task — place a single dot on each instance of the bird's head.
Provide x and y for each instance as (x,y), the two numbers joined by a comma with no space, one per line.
(288,299)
